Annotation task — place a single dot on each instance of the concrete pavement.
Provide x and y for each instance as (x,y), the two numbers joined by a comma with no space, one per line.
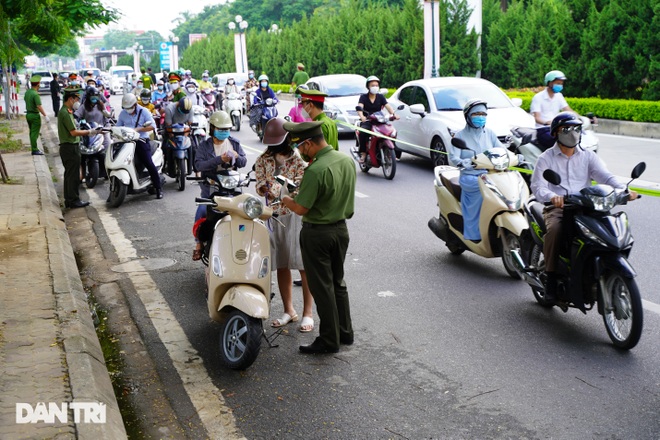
(49,350)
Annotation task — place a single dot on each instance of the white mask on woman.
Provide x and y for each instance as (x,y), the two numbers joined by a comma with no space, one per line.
(374,90)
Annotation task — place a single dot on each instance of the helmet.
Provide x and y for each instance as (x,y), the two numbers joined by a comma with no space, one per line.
(160,83)
(263,77)
(185,105)
(553,75)
(188,72)
(468,108)
(274,132)
(221,120)
(91,91)
(145,94)
(564,119)
(128,100)
(205,75)
(372,78)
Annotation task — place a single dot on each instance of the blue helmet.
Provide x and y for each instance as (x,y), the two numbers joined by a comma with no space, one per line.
(564,119)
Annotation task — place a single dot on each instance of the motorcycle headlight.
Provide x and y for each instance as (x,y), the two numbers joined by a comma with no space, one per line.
(228,182)
(265,267)
(217,267)
(590,234)
(253,207)
(603,203)
(500,161)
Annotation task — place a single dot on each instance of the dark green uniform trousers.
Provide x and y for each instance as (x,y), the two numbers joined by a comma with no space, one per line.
(70,154)
(323,249)
(34,124)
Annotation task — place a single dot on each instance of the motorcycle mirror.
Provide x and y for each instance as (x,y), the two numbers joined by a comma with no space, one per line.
(287,118)
(638,170)
(459,143)
(401,107)
(552,177)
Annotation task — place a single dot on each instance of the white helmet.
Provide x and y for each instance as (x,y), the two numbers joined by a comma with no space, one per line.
(220,119)
(128,101)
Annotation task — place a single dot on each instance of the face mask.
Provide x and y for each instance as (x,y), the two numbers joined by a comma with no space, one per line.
(557,88)
(93,100)
(145,101)
(139,85)
(160,88)
(264,84)
(191,90)
(250,76)
(231,83)
(175,86)
(221,135)
(76,105)
(73,83)
(373,90)
(479,121)
(569,139)
(304,157)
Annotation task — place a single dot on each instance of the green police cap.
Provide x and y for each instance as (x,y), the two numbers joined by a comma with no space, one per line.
(304,130)
(301,65)
(73,89)
(35,79)
(312,95)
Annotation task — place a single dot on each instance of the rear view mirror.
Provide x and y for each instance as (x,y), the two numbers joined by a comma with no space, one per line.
(459,143)
(418,109)
(552,177)
(638,170)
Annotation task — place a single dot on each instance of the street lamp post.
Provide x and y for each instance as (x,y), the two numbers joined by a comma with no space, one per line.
(239,27)
(137,48)
(174,55)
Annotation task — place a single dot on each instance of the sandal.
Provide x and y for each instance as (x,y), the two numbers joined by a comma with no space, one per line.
(197,255)
(284,320)
(306,325)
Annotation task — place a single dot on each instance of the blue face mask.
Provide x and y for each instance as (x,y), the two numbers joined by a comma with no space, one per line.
(93,100)
(160,87)
(264,84)
(479,121)
(221,135)
(557,88)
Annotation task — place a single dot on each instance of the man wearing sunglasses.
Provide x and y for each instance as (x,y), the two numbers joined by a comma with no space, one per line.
(577,167)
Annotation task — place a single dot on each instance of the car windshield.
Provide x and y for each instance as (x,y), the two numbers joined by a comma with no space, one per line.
(454,97)
(41,74)
(122,73)
(346,86)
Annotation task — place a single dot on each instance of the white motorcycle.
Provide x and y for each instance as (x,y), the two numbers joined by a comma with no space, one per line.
(502,219)
(126,173)
(234,108)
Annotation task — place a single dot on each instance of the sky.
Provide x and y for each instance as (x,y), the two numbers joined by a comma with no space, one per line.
(151,15)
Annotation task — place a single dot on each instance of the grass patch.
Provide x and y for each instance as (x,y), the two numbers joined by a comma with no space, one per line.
(7,142)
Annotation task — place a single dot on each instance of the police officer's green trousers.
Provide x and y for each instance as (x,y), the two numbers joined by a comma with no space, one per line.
(323,249)
(34,124)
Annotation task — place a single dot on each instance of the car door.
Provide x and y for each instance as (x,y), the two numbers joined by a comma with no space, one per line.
(423,127)
(405,125)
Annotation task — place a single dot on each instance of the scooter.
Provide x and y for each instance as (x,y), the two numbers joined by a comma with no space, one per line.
(234,107)
(260,113)
(127,174)
(502,220)
(92,153)
(593,267)
(237,253)
(208,96)
(531,142)
(182,155)
(380,151)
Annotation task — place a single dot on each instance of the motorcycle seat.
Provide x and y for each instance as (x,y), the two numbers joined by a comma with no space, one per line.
(537,211)
(154,146)
(452,185)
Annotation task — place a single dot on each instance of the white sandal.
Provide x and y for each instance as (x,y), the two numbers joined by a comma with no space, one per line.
(284,320)
(306,321)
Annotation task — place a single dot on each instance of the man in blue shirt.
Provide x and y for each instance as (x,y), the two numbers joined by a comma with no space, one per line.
(138,118)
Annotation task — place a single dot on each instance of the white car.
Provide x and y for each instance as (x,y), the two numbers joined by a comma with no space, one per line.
(433,112)
(343,95)
(46,78)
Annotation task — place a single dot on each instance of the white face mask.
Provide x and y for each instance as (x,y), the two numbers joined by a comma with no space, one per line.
(76,105)
(231,83)
(191,90)
(175,86)
(374,90)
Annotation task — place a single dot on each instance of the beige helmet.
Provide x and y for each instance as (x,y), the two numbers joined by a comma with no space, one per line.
(274,132)
(221,120)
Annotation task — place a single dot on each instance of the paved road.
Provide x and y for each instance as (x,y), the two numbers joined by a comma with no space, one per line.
(446,347)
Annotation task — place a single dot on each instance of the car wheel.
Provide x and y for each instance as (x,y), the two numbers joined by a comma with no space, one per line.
(438,152)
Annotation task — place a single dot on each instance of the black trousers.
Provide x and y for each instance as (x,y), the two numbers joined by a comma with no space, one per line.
(364,137)
(143,153)
(56,104)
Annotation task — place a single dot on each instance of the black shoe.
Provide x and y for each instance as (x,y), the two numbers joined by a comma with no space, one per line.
(317,347)
(159,194)
(76,204)
(37,153)
(346,340)
(297,283)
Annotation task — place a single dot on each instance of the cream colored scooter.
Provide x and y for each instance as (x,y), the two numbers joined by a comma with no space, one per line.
(501,221)
(239,275)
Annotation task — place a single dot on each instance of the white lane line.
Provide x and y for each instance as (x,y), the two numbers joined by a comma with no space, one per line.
(217,418)
(651,306)
(360,195)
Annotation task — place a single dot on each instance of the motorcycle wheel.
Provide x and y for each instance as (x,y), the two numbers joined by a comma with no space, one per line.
(237,123)
(438,152)
(537,260)
(455,249)
(117,192)
(388,162)
(92,174)
(240,340)
(510,242)
(181,174)
(624,320)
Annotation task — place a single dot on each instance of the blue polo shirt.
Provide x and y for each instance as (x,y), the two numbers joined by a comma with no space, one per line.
(136,120)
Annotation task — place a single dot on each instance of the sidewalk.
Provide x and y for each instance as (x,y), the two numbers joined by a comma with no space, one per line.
(49,351)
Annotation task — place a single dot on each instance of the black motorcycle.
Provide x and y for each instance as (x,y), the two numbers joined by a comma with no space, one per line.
(593,267)
(92,155)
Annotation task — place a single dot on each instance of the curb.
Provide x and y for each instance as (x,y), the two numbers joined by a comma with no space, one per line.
(88,375)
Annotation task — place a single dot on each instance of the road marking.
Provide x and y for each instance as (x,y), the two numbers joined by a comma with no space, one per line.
(216,416)
(360,195)
(651,306)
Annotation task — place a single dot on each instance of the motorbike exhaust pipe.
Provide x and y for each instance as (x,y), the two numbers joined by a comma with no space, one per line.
(439,227)
(527,274)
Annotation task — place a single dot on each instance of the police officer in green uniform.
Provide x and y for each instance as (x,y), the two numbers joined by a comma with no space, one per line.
(33,108)
(69,146)
(312,103)
(325,200)
(300,77)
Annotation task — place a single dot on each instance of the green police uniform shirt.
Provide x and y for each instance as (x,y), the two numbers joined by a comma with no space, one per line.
(32,101)
(146,81)
(329,129)
(327,189)
(65,124)
(300,77)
